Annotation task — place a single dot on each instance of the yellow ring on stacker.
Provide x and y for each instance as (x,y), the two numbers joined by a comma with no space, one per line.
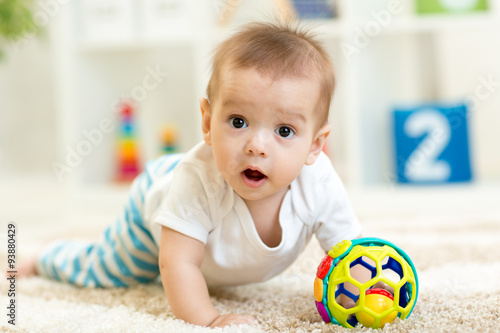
(318,289)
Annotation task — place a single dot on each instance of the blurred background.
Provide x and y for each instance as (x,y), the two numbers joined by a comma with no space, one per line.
(90,90)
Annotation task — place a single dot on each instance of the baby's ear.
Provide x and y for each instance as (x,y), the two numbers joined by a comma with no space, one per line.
(205,120)
(317,144)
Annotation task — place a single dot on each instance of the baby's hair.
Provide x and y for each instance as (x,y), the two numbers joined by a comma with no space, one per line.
(280,50)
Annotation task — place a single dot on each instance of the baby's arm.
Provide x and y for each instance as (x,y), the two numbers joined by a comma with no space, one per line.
(180,259)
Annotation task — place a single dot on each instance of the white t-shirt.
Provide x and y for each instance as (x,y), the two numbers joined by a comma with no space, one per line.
(197,201)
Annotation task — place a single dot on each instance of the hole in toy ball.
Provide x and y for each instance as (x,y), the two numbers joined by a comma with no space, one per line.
(392,269)
(346,295)
(364,269)
(406,293)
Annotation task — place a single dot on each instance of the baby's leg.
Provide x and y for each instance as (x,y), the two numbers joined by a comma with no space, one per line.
(125,255)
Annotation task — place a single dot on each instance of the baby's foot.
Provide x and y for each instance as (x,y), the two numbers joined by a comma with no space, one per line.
(27,268)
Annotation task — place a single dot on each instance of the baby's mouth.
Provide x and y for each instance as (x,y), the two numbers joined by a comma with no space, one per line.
(254,175)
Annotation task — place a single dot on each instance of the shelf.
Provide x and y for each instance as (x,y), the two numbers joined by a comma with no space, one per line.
(402,62)
(132,45)
(336,28)
(441,23)
(326,29)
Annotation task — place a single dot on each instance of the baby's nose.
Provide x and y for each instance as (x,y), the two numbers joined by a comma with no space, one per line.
(258,144)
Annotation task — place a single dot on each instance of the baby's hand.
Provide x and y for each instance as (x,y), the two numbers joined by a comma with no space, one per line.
(226,320)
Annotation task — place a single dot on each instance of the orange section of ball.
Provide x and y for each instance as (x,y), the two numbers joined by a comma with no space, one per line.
(377,300)
(318,289)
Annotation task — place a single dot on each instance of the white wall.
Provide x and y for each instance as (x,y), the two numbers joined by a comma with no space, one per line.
(466,61)
(27,109)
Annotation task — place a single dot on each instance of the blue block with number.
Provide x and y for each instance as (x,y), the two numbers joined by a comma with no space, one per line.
(432,144)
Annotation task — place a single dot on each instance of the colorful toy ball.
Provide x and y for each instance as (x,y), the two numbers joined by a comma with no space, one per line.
(383,264)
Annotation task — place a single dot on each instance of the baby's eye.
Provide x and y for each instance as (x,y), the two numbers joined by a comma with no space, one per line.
(237,122)
(285,131)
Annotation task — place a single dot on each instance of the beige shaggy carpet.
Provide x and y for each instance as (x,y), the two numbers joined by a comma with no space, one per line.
(455,251)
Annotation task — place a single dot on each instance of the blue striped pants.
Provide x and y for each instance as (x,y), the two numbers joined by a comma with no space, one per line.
(126,253)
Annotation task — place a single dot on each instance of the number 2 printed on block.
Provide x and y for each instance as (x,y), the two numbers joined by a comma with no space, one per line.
(432,144)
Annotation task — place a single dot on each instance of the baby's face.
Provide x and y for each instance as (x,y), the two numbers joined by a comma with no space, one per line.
(262,131)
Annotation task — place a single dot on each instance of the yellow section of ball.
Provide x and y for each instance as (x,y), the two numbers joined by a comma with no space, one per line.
(378,304)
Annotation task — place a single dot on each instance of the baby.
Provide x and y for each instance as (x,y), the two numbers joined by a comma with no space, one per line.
(240,206)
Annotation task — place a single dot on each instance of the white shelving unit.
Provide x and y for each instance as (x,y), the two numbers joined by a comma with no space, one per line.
(398,65)
(401,60)
(161,74)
